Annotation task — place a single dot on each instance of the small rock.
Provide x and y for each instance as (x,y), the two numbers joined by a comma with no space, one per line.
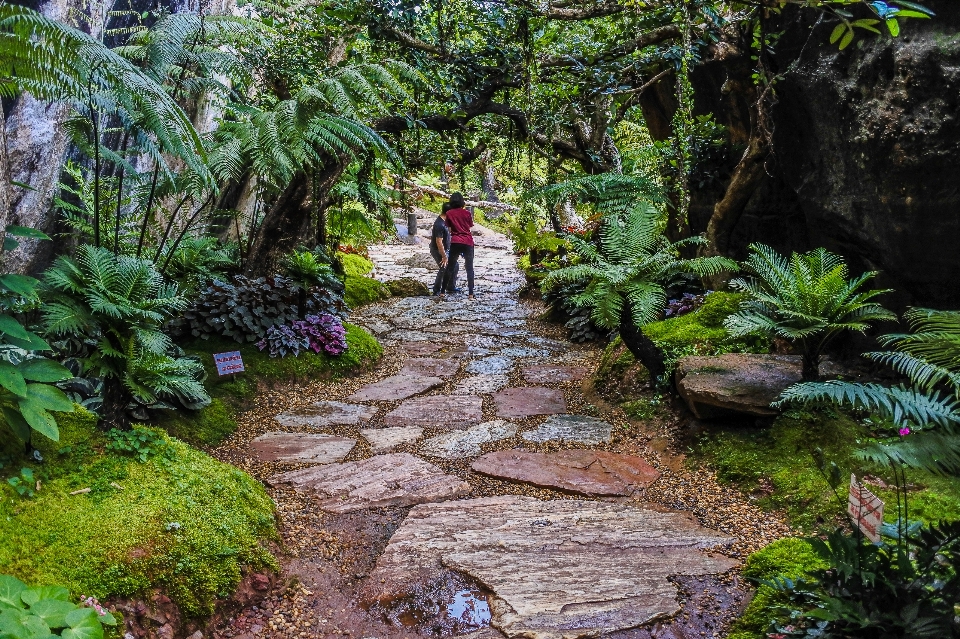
(430,367)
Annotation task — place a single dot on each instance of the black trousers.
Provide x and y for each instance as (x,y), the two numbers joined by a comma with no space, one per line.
(456,250)
(444,273)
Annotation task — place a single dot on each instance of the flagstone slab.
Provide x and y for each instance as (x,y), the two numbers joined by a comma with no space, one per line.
(481,384)
(323,414)
(395,479)
(459,444)
(553,374)
(420,349)
(383,439)
(301,447)
(438,411)
(556,569)
(527,401)
(429,366)
(571,428)
(587,472)
(395,387)
(493,365)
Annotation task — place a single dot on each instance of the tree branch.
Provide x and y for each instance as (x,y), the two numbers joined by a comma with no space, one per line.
(656,36)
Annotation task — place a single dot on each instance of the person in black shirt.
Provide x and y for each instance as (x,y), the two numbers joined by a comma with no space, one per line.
(440,250)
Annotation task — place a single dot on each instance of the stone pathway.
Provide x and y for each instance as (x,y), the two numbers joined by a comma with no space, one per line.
(477,418)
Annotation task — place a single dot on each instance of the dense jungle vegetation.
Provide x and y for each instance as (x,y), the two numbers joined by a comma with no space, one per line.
(182,179)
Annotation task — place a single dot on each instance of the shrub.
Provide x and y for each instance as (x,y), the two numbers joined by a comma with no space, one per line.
(355,265)
(320,333)
(197,260)
(244,308)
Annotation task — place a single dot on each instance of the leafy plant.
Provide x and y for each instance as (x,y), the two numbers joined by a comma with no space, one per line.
(562,307)
(142,443)
(319,333)
(529,238)
(38,612)
(877,590)
(24,483)
(197,260)
(111,310)
(626,276)
(807,300)
(245,308)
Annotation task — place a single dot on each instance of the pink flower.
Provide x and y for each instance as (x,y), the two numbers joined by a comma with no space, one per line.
(904,431)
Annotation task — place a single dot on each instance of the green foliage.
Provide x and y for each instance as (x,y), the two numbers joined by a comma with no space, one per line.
(141,443)
(46,611)
(528,238)
(807,300)
(208,426)
(23,483)
(628,274)
(197,260)
(180,522)
(113,308)
(606,192)
(361,291)
(303,267)
(355,265)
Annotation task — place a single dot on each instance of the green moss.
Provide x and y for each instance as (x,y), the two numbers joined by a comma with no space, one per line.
(406,287)
(361,291)
(643,408)
(182,521)
(206,427)
(356,265)
(790,557)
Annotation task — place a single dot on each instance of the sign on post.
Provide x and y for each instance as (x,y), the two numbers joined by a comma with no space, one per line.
(228,363)
(865,509)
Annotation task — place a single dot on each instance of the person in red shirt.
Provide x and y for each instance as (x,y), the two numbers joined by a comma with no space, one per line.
(460,221)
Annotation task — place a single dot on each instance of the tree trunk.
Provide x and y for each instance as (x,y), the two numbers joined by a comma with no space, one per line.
(811,366)
(643,348)
(113,414)
(288,222)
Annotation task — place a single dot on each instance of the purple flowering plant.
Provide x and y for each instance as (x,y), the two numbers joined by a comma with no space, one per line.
(319,333)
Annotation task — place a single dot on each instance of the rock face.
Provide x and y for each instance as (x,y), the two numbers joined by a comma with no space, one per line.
(397,479)
(528,401)
(305,447)
(396,387)
(458,444)
(737,383)
(383,439)
(323,414)
(587,472)
(557,569)
(571,428)
(437,411)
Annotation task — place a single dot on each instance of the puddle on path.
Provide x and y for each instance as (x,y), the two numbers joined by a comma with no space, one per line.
(450,605)
(469,607)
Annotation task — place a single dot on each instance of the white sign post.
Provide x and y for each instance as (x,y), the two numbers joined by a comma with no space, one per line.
(865,509)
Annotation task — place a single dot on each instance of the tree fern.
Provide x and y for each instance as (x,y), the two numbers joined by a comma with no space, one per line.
(608,192)
(807,300)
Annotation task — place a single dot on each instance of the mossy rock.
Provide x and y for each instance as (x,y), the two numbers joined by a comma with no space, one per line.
(407,287)
(361,291)
(355,265)
(180,522)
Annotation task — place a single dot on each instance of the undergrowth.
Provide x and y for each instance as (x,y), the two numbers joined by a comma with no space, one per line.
(362,290)
(179,521)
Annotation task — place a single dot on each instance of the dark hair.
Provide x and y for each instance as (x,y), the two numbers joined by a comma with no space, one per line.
(446,206)
(456,201)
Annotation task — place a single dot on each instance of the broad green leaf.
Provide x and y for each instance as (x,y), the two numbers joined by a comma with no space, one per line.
(83,624)
(32,343)
(21,284)
(108,619)
(31,596)
(53,611)
(24,231)
(10,243)
(12,380)
(49,397)
(13,328)
(17,423)
(907,13)
(837,32)
(893,26)
(10,589)
(39,419)
(43,370)
(13,623)
(846,40)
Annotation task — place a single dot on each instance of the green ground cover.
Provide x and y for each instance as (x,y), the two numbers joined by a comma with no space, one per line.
(178,520)
(362,290)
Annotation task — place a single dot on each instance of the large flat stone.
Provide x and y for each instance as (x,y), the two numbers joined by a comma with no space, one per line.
(396,387)
(420,349)
(383,439)
(553,374)
(571,428)
(587,472)
(301,447)
(396,479)
(428,366)
(437,411)
(493,365)
(481,384)
(557,569)
(323,414)
(527,401)
(458,444)
(738,383)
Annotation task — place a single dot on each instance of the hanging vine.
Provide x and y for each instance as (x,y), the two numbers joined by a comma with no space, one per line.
(683,120)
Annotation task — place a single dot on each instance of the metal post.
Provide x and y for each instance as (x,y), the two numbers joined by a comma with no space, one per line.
(411,223)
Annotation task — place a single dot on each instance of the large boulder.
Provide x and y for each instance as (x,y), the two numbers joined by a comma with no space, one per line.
(407,287)
(738,383)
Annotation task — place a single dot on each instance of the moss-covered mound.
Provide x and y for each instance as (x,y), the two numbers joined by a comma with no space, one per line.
(211,425)
(179,521)
(620,378)
(407,287)
(355,265)
(789,557)
(776,466)
(361,291)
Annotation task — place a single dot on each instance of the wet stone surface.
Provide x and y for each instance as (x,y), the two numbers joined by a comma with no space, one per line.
(571,428)
(527,401)
(396,387)
(323,414)
(459,444)
(301,447)
(438,411)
